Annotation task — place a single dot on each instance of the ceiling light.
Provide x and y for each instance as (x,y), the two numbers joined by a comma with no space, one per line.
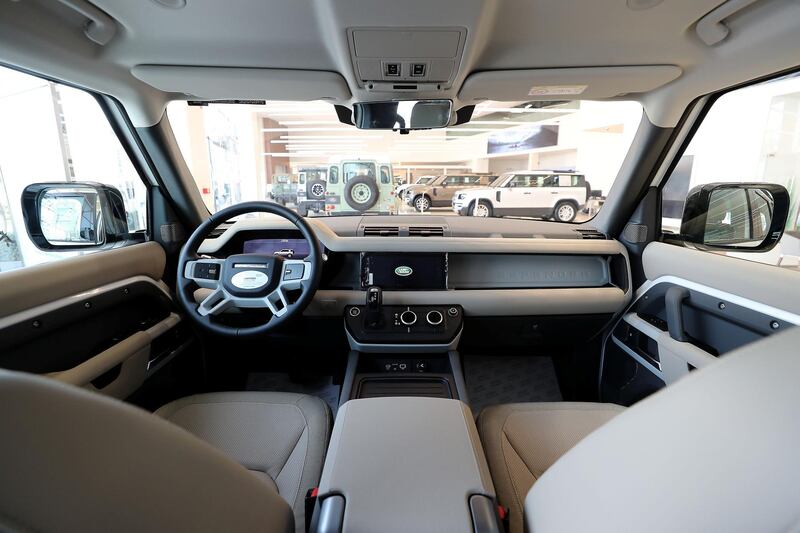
(640,5)
(307,122)
(171,4)
(318,141)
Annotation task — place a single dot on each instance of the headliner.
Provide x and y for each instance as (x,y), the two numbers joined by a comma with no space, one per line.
(311,35)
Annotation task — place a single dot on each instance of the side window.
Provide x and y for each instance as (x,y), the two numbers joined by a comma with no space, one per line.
(452,180)
(750,135)
(550,181)
(333,175)
(523,180)
(386,176)
(571,180)
(52,133)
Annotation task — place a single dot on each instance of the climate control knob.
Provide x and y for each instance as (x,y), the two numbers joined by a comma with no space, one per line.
(434,318)
(408,317)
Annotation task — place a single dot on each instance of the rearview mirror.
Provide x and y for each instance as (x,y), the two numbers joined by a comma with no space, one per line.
(748,217)
(403,115)
(70,216)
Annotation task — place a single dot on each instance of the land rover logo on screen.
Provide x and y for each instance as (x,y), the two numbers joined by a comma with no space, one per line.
(249,279)
(403,271)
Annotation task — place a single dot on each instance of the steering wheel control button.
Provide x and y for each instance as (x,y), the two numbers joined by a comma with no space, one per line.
(453,311)
(206,271)
(408,318)
(434,318)
(354,311)
(421,366)
(249,279)
(293,272)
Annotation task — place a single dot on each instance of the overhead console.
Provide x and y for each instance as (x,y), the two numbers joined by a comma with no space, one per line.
(412,59)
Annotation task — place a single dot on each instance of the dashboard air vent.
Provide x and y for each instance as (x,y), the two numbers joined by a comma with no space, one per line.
(381,231)
(426,231)
(591,233)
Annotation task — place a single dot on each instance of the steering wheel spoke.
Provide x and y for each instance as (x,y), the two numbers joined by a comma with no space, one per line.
(296,275)
(215,303)
(204,272)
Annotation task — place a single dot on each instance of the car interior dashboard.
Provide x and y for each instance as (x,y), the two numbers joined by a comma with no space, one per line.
(509,270)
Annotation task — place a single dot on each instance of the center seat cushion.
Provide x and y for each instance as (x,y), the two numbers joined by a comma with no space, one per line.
(280,437)
(522,440)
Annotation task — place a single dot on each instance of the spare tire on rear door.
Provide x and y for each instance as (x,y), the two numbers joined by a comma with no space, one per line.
(316,189)
(361,193)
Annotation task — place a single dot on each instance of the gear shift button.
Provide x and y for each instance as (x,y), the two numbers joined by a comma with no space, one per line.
(374,315)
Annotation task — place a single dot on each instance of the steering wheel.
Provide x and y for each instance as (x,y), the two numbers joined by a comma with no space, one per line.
(247,281)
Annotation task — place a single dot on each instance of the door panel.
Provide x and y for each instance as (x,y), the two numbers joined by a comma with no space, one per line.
(722,304)
(92,320)
(38,285)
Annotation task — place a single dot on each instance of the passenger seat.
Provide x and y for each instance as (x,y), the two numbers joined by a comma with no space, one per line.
(522,440)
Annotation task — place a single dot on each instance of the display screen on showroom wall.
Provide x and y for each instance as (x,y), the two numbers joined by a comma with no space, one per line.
(522,139)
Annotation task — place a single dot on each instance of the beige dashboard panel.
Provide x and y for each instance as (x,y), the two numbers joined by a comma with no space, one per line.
(483,302)
(503,302)
(337,243)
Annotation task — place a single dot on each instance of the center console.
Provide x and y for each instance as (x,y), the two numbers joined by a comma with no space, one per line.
(424,470)
(403,350)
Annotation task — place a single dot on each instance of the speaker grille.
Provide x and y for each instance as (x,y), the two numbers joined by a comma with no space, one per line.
(635,233)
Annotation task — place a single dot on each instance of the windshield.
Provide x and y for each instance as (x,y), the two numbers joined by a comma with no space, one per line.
(543,160)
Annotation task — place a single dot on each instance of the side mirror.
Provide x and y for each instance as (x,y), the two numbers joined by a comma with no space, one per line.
(74,216)
(748,217)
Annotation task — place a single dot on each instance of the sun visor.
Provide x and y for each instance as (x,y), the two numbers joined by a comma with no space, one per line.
(215,83)
(584,83)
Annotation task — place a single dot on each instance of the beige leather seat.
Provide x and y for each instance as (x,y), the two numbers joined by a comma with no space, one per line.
(522,440)
(71,460)
(281,437)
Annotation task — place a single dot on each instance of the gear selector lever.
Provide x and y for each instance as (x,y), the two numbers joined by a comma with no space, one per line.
(374,316)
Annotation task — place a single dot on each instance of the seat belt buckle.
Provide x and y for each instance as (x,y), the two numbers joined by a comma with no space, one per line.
(311,502)
(502,514)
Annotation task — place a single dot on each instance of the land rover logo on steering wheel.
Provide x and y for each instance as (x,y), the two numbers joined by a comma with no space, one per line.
(317,189)
(249,279)
(403,271)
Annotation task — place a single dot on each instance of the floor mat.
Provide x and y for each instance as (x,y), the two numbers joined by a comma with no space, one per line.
(493,379)
(322,387)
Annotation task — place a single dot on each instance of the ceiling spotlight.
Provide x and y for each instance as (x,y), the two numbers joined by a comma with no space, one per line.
(640,5)
(171,4)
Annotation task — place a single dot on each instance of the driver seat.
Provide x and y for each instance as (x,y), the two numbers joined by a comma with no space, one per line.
(281,437)
(73,460)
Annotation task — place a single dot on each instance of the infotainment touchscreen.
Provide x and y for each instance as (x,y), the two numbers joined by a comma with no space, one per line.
(406,271)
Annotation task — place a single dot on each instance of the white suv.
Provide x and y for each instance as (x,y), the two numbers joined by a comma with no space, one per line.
(530,193)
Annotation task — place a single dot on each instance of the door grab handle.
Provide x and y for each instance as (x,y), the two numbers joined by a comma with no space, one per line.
(673,301)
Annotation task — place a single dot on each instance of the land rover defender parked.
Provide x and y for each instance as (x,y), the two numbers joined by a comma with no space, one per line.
(359,185)
(311,184)
(534,193)
(440,191)
(284,189)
